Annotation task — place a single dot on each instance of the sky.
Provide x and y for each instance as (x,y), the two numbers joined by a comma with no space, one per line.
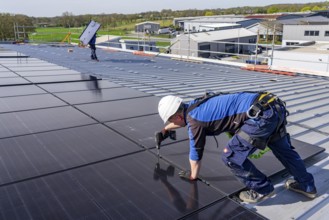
(52,8)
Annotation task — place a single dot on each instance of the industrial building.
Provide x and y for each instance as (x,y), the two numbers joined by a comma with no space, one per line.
(207,44)
(148,27)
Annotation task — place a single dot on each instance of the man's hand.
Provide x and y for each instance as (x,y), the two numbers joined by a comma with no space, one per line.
(186,175)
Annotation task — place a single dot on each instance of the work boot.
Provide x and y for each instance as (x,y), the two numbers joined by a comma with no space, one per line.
(293,185)
(252,196)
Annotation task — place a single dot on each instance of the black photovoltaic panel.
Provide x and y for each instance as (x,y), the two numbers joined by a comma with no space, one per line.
(122,109)
(52,79)
(8,91)
(99,95)
(19,103)
(216,173)
(7,74)
(225,209)
(19,69)
(305,151)
(12,81)
(30,63)
(130,187)
(38,154)
(212,170)
(28,122)
(48,72)
(78,86)
(54,197)
(142,129)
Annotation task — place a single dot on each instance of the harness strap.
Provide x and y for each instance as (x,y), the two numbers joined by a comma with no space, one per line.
(280,130)
(261,104)
(203,99)
(257,142)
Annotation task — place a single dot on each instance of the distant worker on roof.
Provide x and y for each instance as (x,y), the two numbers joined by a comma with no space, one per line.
(92,44)
(255,120)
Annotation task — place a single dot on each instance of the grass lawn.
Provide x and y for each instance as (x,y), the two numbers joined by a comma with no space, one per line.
(58,34)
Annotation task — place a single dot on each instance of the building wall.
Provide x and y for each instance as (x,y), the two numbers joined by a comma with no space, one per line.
(182,46)
(199,26)
(296,33)
(151,27)
(302,61)
(140,45)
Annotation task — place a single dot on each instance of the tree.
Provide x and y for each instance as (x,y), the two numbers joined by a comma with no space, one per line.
(209,13)
(272,10)
(7,22)
(307,8)
(316,8)
(67,19)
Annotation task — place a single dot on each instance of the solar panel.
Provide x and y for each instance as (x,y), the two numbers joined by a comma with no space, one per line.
(39,154)
(122,109)
(36,68)
(28,122)
(20,103)
(6,81)
(53,79)
(7,74)
(224,209)
(78,86)
(31,62)
(142,130)
(100,95)
(216,173)
(136,186)
(9,91)
(48,72)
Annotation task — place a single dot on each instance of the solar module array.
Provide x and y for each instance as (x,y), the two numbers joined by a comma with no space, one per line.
(73,146)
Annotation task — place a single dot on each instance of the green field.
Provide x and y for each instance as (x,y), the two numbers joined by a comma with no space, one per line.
(58,34)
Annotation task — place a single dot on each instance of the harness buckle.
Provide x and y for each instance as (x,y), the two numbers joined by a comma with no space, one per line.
(251,111)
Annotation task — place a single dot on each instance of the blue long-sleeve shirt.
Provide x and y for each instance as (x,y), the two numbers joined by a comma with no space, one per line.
(223,113)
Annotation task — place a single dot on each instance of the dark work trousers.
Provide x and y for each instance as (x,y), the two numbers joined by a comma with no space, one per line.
(93,52)
(236,154)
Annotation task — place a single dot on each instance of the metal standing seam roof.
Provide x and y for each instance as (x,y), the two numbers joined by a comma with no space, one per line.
(305,20)
(221,35)
(306,95)
(218,20)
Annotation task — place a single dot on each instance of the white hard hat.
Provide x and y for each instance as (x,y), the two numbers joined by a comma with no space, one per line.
(168,106)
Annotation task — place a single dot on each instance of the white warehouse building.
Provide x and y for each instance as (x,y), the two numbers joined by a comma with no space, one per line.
(208,44)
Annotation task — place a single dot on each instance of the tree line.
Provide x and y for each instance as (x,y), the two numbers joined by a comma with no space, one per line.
(68,19)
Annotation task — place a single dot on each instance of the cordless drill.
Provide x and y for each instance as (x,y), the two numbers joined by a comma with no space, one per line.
(161,136)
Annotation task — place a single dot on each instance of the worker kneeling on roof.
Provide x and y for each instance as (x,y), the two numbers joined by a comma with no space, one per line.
(255,120)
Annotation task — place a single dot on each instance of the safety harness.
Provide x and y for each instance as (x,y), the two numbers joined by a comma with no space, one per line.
(265,101)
